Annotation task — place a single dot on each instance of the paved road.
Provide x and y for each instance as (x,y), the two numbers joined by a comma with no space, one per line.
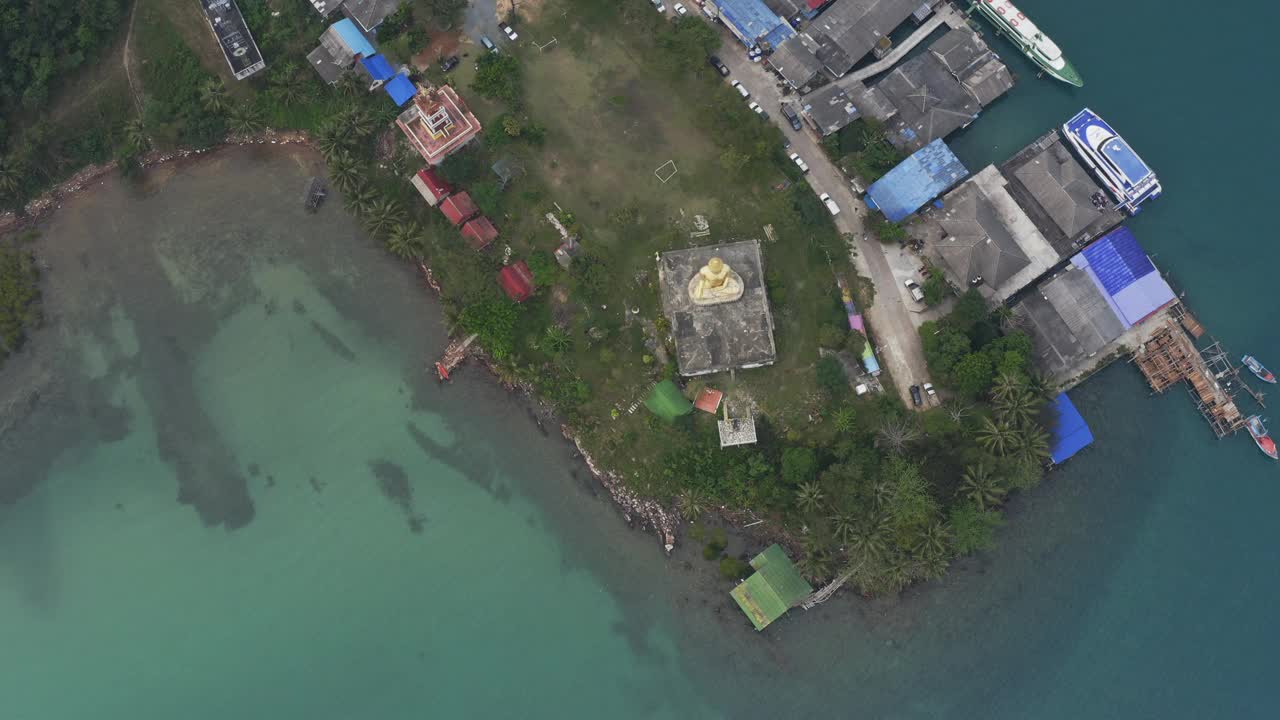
(890,319)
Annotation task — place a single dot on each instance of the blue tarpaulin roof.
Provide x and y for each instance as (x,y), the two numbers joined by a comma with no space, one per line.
(1071,435)
(378,67)
(1122,271)
(752,20)
(401,89)
(926,174)
(353,38)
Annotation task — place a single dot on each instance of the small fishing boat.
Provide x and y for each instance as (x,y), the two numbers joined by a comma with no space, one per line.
(1263,374)
(1261,438)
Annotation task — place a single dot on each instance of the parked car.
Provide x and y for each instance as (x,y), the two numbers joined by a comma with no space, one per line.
(915,395)
(831,204)
(719,66)
(916,293)
(706,10)
(508,31)
(679,9)
(658,4)
(800,163)
(930,392)
(741,90)
(755,107)
(488,44)
(856,186)
(449,63)
(791,115)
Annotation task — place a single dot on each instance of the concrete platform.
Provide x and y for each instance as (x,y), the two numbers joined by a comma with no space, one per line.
(716,338)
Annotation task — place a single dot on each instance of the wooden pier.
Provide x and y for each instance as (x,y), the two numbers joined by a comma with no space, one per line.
(453,356)
(1170,356)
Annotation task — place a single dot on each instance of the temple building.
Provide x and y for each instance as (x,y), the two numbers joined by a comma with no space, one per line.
(438,123)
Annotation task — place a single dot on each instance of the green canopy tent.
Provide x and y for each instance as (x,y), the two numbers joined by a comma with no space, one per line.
(667,402)
(775,588)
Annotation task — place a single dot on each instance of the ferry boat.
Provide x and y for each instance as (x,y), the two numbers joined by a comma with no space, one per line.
(1129,180)
(1261,438)
(1010,22)
(1263,374)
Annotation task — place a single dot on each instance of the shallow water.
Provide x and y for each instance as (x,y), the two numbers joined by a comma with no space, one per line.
(242,495)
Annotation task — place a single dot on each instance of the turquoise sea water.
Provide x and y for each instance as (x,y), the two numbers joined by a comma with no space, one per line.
(248,499)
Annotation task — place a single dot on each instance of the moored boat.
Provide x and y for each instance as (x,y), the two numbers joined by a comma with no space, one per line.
(1013,24)
(1262,438)
(1263,374)
(1115,165)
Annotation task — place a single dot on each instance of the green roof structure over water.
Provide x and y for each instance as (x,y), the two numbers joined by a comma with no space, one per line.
(667,402)
(775,588)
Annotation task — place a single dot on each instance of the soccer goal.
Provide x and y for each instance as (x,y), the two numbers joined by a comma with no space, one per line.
(666,171)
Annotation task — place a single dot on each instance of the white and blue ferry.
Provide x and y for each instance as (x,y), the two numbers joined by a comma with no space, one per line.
(1129,180)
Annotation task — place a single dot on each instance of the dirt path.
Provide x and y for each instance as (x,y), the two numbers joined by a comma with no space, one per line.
(126,58)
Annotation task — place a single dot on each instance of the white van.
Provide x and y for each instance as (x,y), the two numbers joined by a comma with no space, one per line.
(831,204)
(741,90)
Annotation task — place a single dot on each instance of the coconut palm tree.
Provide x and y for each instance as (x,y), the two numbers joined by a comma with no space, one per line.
(1032,444)
(405,240)
(1018,408)
(343,171)
(332,139)
(213,95)
(844,526)
(358,122)
(816,563)
(843,419)
(557,341)
(896,433)
(934,540)
(244,119)
(10,177)
(809,496)
(359,199)
(691,503)
(871,538)
(933,566)
(135,133)
(1005,386)
(881,493)
(349,84)
(899,573)
(981,487)
(996,436)
(383,215)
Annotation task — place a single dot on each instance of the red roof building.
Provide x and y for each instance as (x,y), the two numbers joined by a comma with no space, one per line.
(458,208)
(516,281)
(438,123)
(708,400)
(431,186)
(480,232)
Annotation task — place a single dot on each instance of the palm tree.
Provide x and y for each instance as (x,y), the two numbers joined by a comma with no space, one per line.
(843,419)
(213,95)
(360,199)
(881,493)
(285,74)
(383,215)
(1005,386)
(691,504)
(349,84)
(809,496)
(557,340)
(897,433)
(932,567)
(843,526)
(358,122)
(1018,408)
(1032,444)
(816,563)
(405,240)
(244,119)
(332,139)
(135,133)
(996,436)
(289,92)
(899,573)
(981,487)
(933,540)
(343,171)
(870,540)
(10,177)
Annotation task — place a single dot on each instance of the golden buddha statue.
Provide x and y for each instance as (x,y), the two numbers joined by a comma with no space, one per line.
(715,283)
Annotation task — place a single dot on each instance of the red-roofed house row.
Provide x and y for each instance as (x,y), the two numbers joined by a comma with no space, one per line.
(516,281)
(458,208)
(431,186)
(480,232)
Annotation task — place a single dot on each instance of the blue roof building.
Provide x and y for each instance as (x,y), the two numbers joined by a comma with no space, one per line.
(923,176)
(752,22)
(401,89)
(352,38)
(378,67)
(1120,268)
(1071,434)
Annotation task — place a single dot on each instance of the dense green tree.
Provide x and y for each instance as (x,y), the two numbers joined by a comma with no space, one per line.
(799,465)
(494,321)
(973,374)
(935,287)
(498,77)
(830,377)
(19,297)
(974,528)
(910,503)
